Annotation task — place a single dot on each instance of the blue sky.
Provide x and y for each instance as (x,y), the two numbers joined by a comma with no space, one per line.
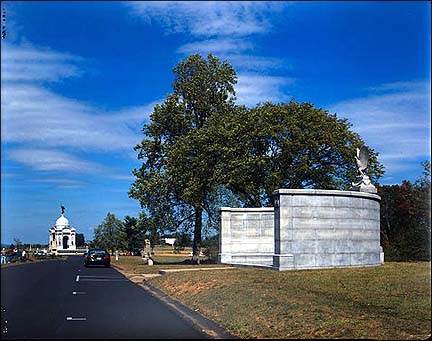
(79,79)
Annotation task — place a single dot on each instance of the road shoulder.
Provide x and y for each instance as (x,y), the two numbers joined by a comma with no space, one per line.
(205,325)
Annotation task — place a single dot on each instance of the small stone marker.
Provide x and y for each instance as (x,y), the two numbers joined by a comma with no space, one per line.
(147,252)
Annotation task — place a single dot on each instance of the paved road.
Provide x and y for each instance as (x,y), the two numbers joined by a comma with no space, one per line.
(40,303)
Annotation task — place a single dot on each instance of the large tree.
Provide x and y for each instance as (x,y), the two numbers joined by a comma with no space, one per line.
(110,234)
(201,149)
(406,218)
(134,232)
(172,183)
(289,145)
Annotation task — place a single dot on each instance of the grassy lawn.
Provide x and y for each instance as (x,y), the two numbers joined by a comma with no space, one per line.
(135,265)
(386,302)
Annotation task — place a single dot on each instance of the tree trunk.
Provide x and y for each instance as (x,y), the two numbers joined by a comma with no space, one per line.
(197,235)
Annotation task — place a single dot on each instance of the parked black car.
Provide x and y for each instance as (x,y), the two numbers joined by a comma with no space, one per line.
(97,257)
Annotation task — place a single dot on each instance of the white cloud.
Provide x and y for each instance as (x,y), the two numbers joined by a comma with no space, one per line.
(123,177)
(209,18)
(138,113)
(60,183)
(57,180)
(257,63)
(26,63)
(254,88)
(69,186)
(34,116)
(399,86)
(395,122)
(226,29)
(216,46)
(8,175)
(52,160)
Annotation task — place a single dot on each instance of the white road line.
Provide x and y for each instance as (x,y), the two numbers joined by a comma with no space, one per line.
(103,280)
(76,319)
(78,293)
(77,278)
(108,277)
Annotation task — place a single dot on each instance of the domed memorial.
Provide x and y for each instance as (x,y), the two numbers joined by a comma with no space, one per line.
(62,237)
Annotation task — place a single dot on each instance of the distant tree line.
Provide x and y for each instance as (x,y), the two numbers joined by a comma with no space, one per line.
(114,234)
(406,218)
(405,225)
(129,234)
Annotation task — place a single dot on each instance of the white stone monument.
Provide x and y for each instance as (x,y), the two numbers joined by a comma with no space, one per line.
(307,228)
(62,236)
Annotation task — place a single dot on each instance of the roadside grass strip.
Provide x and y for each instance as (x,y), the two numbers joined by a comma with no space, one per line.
(392,301)
(167,271)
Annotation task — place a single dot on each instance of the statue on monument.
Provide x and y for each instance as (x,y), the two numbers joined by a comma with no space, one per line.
(63,209)
(363,184)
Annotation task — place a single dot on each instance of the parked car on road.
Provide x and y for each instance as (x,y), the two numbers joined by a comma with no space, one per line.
(97,257)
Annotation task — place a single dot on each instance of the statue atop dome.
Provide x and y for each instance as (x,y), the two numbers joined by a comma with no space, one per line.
(63,209)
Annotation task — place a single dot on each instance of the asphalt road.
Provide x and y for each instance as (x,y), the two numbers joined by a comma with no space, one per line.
(63,299)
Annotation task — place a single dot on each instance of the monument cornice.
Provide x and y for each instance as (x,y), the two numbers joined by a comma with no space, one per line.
(356,194)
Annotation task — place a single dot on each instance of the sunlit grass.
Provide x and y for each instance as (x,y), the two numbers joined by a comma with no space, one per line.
(386,302)
(136,265)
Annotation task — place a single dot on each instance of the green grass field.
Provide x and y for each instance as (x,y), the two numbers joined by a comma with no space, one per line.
(163,260)
(386,302)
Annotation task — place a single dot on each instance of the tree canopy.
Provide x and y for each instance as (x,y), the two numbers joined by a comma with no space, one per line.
(110,234)
(287,145)
(173,189)
(406,218)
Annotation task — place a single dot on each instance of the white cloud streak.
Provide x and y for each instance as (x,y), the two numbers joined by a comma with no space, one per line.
(252,63)
(395,121)
(33,115)
(215,46)
(254,88)
(26,63)
(57,180)
(208,18)
(224,29)
(52,160)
